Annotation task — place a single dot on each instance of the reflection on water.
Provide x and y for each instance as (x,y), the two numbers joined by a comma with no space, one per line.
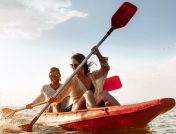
(164,124)
(124,131)
(54,130)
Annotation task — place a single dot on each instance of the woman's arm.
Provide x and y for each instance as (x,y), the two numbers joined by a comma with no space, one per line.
(103,62)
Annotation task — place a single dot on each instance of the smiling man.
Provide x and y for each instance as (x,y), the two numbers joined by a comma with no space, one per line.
(49,90)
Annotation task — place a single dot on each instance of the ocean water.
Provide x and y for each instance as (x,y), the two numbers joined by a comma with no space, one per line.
(163,124)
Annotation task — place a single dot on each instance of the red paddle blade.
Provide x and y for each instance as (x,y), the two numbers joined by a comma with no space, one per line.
(123,15)
(112,83)
(26,127)
(7,112)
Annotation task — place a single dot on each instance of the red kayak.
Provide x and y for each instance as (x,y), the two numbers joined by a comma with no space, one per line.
(113,117)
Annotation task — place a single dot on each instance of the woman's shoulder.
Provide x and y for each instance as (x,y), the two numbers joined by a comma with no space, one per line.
(74,79)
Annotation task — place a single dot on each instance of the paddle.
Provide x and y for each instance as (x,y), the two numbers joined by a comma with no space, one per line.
(119,19)
(8,112)
(112,83)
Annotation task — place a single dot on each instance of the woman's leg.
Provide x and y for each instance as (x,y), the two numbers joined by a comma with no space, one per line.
(89,98)
(81,104)
(107,98)
(86,101)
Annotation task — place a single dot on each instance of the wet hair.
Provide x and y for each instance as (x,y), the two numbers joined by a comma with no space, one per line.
(80,57)
(55,69)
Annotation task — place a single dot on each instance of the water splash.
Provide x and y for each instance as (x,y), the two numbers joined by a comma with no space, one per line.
(7,127)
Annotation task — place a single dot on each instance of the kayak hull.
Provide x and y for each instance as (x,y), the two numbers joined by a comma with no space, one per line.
(113,117)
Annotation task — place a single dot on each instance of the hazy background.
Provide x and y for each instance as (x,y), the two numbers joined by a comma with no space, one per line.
(36,35)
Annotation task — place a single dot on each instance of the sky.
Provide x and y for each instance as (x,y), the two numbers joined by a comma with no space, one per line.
(38,34)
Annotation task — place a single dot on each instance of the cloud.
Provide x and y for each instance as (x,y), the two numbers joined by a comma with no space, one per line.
(27,19)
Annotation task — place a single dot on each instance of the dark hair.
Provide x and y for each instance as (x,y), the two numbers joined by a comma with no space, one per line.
(80,57)
(55,68)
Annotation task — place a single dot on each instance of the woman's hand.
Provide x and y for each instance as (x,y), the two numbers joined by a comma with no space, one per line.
(95,50)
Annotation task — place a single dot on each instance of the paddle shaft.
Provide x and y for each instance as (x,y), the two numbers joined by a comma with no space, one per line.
(34,105)
(69,79)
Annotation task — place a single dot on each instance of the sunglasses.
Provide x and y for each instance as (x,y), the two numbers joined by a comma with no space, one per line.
(54,76)
(74,66)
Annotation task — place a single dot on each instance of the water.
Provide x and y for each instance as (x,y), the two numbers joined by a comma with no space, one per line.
(163,124)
